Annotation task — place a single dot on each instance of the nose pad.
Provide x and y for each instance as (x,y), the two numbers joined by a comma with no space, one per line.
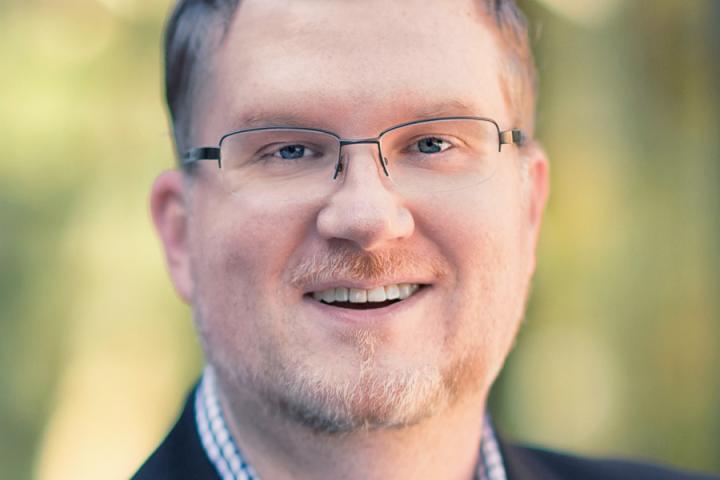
(343,158)
(383,161)
(339,167)
(383,164)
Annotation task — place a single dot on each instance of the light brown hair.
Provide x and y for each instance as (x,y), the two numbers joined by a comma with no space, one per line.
(195,27)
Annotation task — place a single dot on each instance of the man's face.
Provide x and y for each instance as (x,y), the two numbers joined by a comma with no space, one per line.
(250,261)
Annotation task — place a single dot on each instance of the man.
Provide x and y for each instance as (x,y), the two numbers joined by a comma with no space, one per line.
(354,225)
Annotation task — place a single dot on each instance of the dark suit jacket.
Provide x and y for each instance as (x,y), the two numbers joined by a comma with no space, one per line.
(181,456)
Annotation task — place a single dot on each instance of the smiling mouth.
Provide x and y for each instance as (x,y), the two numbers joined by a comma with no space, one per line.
(364,299)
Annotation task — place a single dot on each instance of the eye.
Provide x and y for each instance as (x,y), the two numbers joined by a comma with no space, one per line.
(432,145)
(293,152)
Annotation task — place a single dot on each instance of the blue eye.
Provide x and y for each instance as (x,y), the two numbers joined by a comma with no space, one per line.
(291,152)
(432,145)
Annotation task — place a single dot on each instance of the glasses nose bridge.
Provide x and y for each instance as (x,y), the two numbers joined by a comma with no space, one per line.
(360,141)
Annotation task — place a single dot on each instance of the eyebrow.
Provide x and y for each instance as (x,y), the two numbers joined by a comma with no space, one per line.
(447,108)
(269,119)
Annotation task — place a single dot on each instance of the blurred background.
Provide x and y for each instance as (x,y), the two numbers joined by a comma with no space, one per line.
(621,347)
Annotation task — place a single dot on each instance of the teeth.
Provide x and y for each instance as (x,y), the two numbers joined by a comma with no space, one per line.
(357,295)
(376,295)
(392,292)
(360,295)
(328,296)
(342,294)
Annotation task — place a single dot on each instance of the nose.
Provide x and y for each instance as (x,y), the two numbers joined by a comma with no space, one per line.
(363,209)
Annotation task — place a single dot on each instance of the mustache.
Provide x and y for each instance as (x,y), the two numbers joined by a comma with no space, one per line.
(352,264)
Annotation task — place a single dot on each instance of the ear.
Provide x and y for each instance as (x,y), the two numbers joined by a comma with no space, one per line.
(170,213)
(538,188)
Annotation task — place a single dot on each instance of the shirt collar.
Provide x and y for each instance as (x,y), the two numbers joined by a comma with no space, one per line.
(223,453)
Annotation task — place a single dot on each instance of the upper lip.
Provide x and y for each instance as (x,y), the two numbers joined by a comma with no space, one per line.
(363,284)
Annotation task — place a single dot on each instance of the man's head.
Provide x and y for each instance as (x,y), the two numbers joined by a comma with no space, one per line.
(197,27)
(254,261)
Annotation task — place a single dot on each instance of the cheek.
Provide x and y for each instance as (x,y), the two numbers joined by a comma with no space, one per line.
(478,234)
(241,252)
(483,242)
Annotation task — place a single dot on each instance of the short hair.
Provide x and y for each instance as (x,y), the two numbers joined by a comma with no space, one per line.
(196,27)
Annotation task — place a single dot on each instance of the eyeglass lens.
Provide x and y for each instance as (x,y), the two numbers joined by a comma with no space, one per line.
(423,157)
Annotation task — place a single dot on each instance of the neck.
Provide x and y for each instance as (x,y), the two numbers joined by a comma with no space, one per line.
(446,445)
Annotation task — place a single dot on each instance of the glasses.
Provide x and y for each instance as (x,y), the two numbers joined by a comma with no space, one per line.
(430,155)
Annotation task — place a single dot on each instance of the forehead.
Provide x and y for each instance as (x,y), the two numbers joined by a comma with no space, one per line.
(355,66)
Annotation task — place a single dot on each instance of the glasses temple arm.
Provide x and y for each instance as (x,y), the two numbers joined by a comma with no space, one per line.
(201,153)
(514,136)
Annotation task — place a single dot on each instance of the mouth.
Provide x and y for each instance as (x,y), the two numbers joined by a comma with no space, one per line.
(366,299)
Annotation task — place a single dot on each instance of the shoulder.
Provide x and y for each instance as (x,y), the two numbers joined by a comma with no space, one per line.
(539,463)
(181,454)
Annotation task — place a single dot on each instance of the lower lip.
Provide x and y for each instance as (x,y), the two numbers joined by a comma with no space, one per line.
(371,316)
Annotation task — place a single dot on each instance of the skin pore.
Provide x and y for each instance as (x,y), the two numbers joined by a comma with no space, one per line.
(311,391)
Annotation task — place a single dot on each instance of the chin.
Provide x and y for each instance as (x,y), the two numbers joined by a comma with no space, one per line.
(369,396)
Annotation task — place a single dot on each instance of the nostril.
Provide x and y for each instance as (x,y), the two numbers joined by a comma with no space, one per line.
(364,222)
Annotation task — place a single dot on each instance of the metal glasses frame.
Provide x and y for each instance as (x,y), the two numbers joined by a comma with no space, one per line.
(505,137)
